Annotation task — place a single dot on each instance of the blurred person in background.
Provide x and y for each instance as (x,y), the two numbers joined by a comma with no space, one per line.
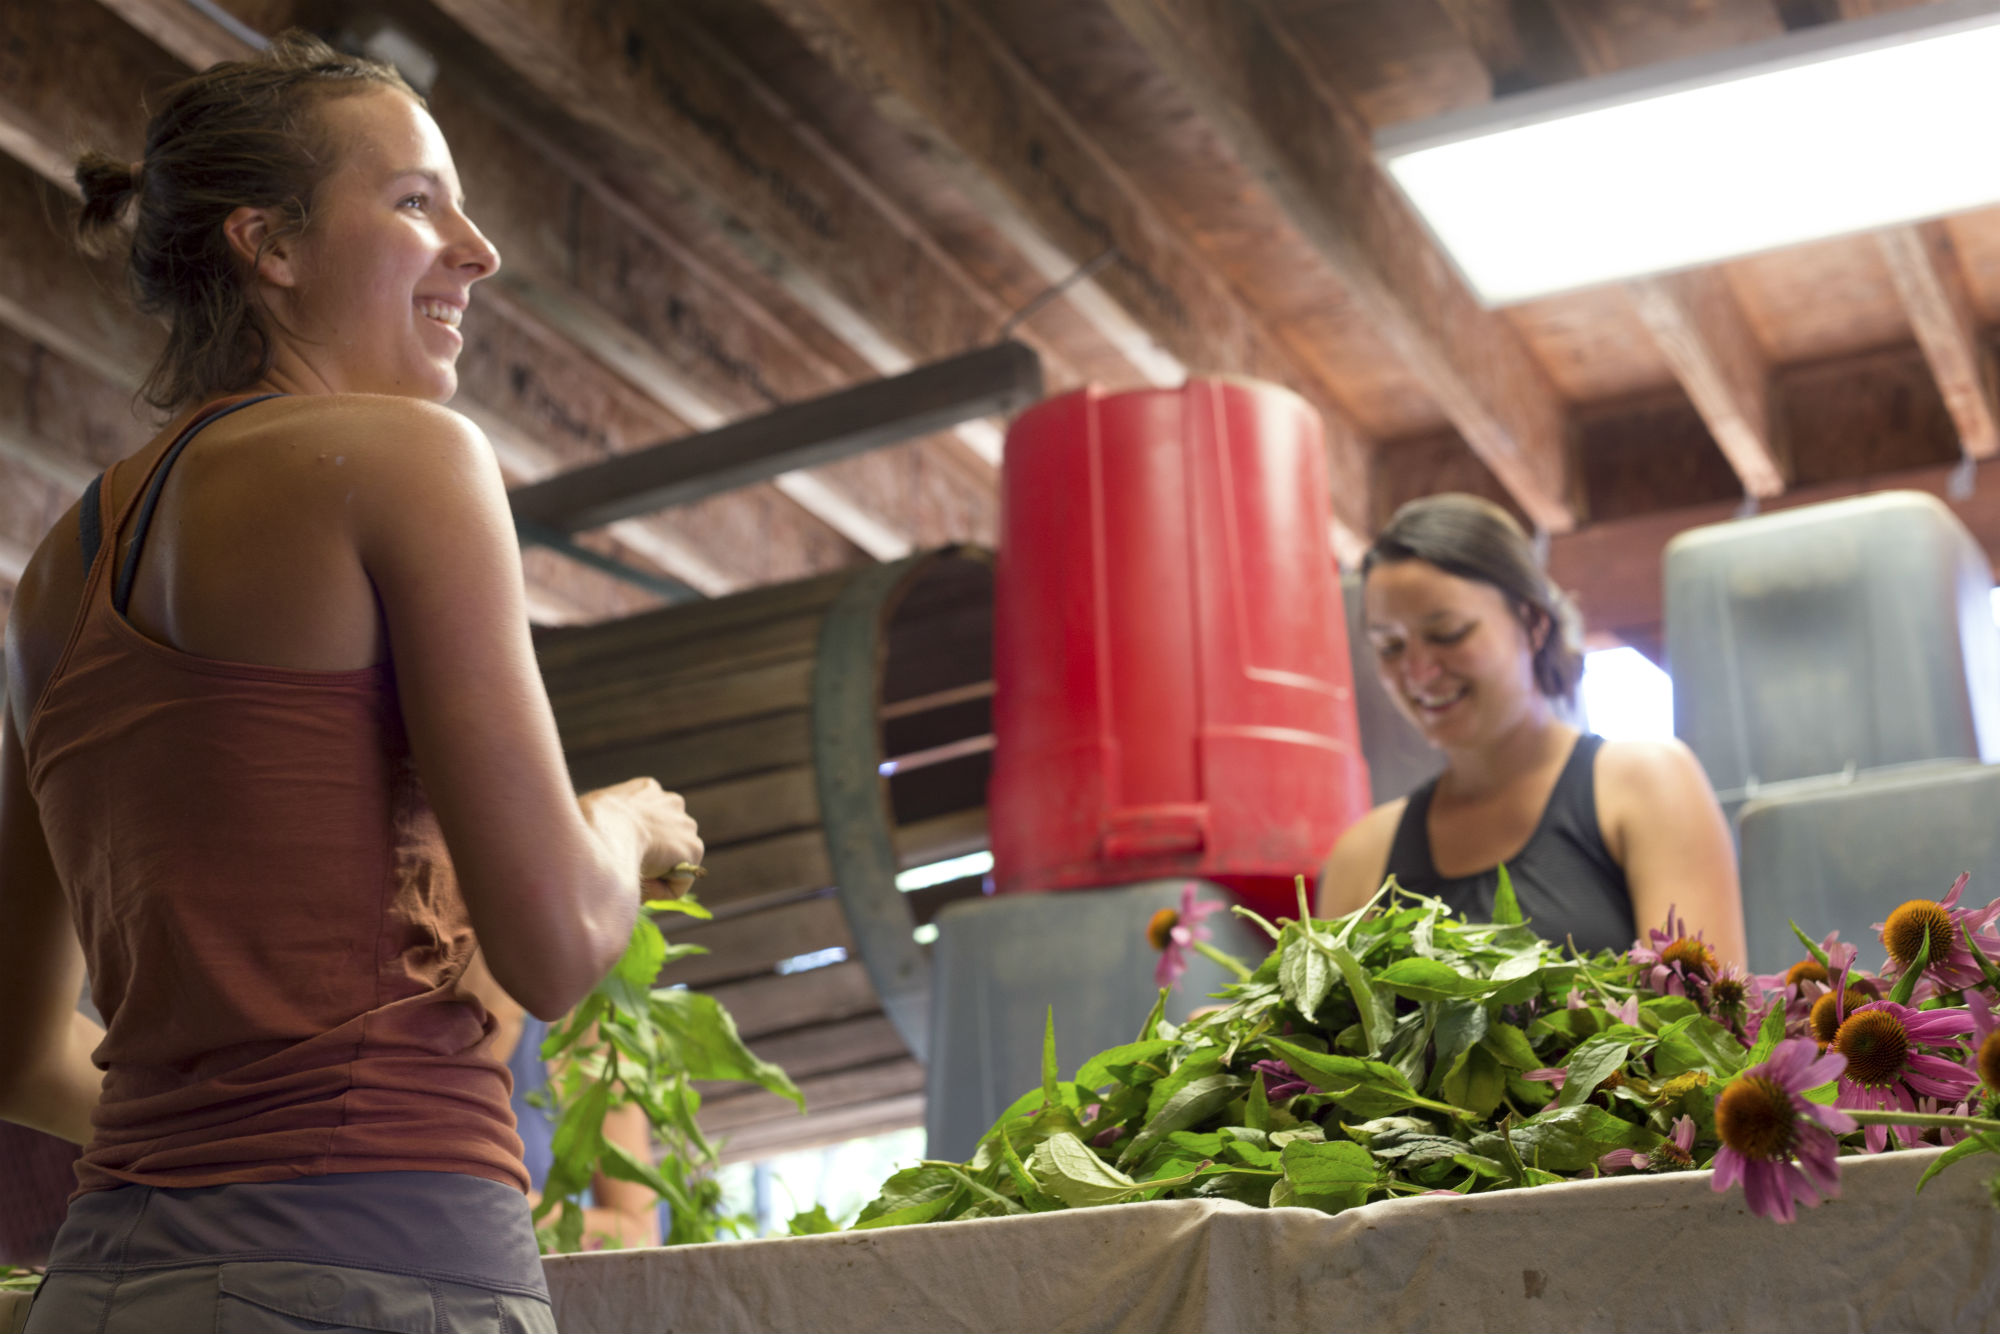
(1600,838)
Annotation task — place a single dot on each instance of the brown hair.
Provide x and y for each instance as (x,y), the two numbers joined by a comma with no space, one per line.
(1476,539)
(242,133)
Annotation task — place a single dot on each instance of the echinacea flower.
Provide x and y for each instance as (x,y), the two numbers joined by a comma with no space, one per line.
(1932,1107)
(1799,987)
(1985,1042)
(1555,1076)
(1173,931)
(1281,1081)
(1672,1154)
(1764,1123)
(1674,963)
(1885,1070)
(1829,1010)
(1951,964)
(1732,995)
(1625,1012)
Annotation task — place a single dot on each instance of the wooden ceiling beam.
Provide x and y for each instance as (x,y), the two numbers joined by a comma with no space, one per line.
(939,71)
(1700,328)
(1931,286)
(181,28)
(1240,66)
(1929,282)
(659,98)
(1520,42)
(995,380)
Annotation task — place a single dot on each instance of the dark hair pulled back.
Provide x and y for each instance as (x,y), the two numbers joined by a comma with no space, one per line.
(243,133)
(1473,538)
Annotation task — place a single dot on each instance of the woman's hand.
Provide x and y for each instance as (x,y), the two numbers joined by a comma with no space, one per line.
(654,824)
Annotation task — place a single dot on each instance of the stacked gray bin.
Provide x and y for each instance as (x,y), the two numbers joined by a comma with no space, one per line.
(1837,672)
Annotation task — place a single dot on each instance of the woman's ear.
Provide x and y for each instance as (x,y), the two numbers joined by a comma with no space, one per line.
(261,246)
(1538,624)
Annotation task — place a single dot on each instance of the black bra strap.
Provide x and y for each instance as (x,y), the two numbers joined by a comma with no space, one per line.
(89,523)
(121,593)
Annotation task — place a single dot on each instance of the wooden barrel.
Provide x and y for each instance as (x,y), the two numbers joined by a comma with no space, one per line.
(826,734)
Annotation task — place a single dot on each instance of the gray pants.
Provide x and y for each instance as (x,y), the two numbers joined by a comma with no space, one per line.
(415,1252)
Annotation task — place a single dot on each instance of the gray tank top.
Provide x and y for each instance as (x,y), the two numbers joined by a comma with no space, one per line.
(1568,884)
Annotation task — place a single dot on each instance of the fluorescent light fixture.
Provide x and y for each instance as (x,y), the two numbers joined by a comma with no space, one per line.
(926,934)
(1830,130)
(938,873)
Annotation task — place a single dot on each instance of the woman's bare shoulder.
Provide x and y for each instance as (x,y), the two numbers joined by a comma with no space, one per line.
(384,425)
(1355,867)
(1643,766)
(361,453)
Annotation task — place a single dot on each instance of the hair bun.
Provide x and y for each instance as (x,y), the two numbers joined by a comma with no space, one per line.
(108,187)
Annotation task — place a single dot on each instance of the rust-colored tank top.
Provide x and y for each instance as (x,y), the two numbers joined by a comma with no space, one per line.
(274,933)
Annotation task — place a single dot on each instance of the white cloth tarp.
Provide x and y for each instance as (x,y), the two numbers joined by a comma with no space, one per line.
(1638,1253)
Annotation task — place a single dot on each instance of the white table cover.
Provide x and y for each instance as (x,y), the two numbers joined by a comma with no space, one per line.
(1640,1253)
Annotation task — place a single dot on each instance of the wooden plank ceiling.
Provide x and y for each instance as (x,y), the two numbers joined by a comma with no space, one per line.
(712,207)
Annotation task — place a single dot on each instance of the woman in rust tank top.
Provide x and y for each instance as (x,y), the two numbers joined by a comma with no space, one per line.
(277,755)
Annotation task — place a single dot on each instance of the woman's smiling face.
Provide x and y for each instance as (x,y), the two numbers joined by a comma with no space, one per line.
(381,278)
(1450,652)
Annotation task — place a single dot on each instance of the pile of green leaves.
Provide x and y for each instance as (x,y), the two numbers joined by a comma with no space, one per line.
(1385,1053)
(633,1042)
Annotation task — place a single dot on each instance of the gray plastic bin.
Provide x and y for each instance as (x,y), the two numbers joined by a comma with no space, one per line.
(1855,633)
(1842,854)
(1001,962)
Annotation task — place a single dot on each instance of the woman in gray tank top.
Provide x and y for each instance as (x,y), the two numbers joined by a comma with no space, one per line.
(1600,838)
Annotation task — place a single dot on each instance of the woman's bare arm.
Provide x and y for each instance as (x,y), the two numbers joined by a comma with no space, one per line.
(626,1212)
(1355,868)
(552,886)
(1661,821)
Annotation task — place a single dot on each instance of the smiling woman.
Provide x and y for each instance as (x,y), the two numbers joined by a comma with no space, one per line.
(1476,646)
(274,851)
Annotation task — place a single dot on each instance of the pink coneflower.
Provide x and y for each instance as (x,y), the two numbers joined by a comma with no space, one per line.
(1831,1008)
(1281,1081)
(1885,1069)
(1951,964)
(1672,962)
(1800,986)
(1173,931)
(1733,994)
(1932,1107)
(1555,1076)
(1625,1012)
(1985,1042)
(1764,1123)
(1672,1154)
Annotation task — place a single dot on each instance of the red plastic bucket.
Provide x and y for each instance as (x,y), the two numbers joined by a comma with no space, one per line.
(1171,681)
